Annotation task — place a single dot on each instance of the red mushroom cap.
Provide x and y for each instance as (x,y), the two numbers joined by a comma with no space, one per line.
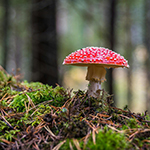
(96,56)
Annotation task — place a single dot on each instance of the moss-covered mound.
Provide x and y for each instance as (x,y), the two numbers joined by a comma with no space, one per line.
(37,116)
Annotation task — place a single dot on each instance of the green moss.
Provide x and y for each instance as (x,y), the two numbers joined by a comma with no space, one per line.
(31,111)
(37,93)
(105,140)
(108,140)
(132,123)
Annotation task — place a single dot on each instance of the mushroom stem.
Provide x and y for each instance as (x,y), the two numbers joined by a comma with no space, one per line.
(95,76)
(94,88)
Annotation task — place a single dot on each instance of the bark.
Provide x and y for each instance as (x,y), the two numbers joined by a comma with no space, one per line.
(44,42)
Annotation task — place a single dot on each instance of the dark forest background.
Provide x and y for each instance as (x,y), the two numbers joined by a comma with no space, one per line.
(36,35)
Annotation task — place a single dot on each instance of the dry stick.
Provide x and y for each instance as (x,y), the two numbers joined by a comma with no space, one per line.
(3,97)
(11,98)
(40,104)
(132,136)
(70,145)
(104,121)
(59,145)
(6,141)
(93,137)
(40,138)
(65,105)
(124,116)
(36,146)
(51,133)
(113,128)
(136,147)
(69,101)
(40,126)
(95,130)
(27,129)
(76,143)
(25,104)
(17,144)
(86,138)
(7,122)
(34,112)
(148,141)
(30,102)
(4,112)
(102,115)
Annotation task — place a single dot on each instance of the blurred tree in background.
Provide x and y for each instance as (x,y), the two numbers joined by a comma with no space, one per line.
(147,44)
(5,27)
(37,35)
(15,27)
(44,42)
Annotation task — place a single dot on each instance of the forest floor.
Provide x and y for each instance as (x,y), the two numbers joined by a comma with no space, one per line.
(37,116)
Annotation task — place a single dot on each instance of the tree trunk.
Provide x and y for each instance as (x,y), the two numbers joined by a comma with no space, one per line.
(44,42)
(128,52)
(112,21)
(147,43)
(5,31)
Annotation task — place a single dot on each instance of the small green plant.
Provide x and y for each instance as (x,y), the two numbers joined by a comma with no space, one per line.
(9,135)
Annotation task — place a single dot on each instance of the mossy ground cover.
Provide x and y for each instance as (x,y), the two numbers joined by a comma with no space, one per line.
(37,116)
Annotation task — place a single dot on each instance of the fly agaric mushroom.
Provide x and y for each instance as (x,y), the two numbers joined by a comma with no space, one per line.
(96,59)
